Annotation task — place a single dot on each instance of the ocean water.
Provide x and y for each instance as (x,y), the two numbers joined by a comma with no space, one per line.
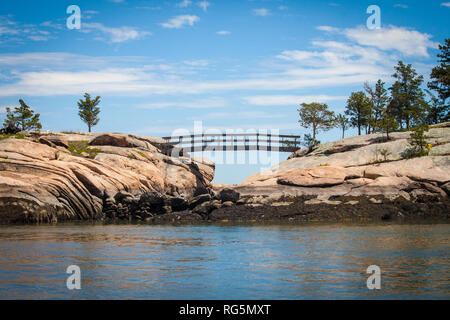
(225,261)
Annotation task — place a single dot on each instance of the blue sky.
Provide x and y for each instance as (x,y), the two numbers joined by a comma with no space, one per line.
(161,65)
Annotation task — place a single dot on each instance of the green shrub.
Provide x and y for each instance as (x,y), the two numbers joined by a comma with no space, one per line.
(79,147)
(385,153)
(19,135)
(418,143)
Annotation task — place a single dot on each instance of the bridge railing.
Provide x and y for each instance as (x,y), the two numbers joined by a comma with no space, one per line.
(235,142)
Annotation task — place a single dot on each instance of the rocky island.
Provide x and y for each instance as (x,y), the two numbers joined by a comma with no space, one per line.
(58,177)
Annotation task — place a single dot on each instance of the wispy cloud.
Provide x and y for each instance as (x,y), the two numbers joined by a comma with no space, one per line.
(401,5)
(11,31)
(50,24)
(239,115)
(327,29)
(206,103)
(223,32)
(116,35)
(288,100)
(329,64)
(446,4)
(204,5)
(184,3)
(180,21)
(262,12)
(407,41)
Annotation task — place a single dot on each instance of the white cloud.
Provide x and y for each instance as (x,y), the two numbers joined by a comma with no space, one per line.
(52,25)
(445,4)
(184,3)
(327,28)
(179,21)
(11,31)
(288,100)
(262,12)
(239,115)
(283,8)
(204,5)
(38,38)
(408,42)
(8,31)
(401,5)
(195,104)
(196,63)
(116,35)
(329,64)
(223,32)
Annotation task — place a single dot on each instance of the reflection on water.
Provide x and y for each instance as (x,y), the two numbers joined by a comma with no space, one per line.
(225,261)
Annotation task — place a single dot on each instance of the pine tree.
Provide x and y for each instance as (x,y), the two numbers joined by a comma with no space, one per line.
(342,122)
(407,105)
(316,116)
(88,110)
(386,124)
(379,99)
(23,117)
(440,76)
(358,109)
(418,142)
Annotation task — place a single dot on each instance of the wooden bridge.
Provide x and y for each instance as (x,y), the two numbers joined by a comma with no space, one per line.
(235,142)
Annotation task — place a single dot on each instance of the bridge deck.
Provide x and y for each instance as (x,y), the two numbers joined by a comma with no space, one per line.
(235,142)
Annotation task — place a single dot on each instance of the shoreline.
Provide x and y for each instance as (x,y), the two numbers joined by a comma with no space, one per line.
(286,209)
(121,177)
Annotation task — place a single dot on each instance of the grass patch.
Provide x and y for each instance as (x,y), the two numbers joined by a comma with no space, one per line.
(19,135)
(3,156)
(132,156)
(5,136)
(141,154)
(81,148)
(75,132)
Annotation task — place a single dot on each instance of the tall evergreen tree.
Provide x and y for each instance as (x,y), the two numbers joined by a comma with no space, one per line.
(23,117)
(88,110)
(358,109)
(316,116)
(407,105)
(342,122)
(440,76)
(379,99)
